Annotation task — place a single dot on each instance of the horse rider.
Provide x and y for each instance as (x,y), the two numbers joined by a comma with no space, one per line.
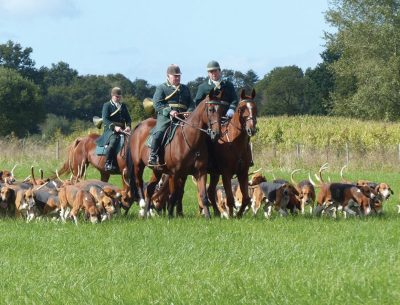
(117,121)
(170,98)
(215,81)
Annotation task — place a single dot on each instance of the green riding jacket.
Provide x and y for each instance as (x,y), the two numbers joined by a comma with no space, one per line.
(180,101)
(229,94)
(120,118)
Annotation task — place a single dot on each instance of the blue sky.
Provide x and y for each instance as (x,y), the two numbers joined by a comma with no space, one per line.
(141,38)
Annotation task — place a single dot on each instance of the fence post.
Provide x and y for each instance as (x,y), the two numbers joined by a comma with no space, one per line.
(398,151)
(327,148)
(298,150)
(57,150)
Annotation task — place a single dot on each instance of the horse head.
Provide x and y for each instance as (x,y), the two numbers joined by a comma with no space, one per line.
(214,108)
(248,112)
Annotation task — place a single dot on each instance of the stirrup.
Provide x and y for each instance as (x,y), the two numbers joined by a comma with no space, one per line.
(109,166)
(153,161)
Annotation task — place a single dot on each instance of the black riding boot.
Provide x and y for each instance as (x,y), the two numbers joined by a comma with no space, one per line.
(155,148)
(110,165)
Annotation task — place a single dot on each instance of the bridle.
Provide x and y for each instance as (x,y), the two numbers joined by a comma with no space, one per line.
(249,106)
(209,123)
(213,103)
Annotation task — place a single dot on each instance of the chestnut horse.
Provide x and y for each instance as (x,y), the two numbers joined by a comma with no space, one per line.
(231,153)
(82,152)
(185,154)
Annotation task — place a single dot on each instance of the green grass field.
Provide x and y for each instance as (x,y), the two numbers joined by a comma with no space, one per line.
(293,260)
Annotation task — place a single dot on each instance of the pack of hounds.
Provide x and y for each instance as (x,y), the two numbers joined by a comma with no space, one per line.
(98,201)
(58,199)
(350,198)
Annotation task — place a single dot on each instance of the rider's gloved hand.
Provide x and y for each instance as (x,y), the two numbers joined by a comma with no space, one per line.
(230,113)
(173,113)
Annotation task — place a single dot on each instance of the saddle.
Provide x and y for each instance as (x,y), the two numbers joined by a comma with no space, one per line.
(101,150)
(167,137)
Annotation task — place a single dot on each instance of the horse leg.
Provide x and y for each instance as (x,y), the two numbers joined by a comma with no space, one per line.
(181,191)
(139,184)
(151,187)
(104,176)
(226,180)
(244,188)
(211,191)
(173,196)
(201,189)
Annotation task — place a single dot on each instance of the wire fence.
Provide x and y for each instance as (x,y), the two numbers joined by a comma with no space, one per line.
(268,156)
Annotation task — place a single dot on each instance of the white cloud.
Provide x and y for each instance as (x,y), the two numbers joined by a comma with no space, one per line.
(37,8)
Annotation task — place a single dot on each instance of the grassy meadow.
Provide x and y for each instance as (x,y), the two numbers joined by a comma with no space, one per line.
(293,260)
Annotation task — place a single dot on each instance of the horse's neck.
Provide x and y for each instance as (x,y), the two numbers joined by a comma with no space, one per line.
(191,129)
(196,120)
(234,128)
(198,117)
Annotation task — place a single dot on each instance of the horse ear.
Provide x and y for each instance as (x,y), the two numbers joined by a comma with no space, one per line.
(211,93)
(220,94)
(253,94)
(242,94)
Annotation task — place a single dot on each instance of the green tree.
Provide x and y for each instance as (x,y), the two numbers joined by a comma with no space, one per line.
(54,125)
(142,89)
(194,85)
(59,74)
(282,92)
(21,107)
(14,56)
(367,77)
(320,84)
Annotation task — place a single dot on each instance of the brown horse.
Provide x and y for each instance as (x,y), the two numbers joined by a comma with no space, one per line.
(82,152)
(231,153)
(185,154)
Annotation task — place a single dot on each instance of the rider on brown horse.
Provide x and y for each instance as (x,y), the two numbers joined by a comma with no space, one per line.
(116,120)
(218,84)
(170,98)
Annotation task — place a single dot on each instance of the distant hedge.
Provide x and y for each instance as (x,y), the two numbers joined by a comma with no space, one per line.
(321,132)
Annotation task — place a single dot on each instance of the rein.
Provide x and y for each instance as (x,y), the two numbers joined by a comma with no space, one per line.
(191,125)
(211,123)
(196,127)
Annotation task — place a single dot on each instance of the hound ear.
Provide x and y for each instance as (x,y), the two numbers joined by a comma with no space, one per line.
(391,192)
(242,94)
(253,94)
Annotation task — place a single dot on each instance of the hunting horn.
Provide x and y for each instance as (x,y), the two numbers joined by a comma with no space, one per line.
(148,106)
(97,122)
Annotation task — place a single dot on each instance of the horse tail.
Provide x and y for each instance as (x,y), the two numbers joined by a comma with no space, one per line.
(131,167)
(67,167)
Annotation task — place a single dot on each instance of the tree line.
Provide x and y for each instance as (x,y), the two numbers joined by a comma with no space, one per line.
(358,77)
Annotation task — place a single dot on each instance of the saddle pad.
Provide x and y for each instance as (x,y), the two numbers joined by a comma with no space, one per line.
(101,150)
